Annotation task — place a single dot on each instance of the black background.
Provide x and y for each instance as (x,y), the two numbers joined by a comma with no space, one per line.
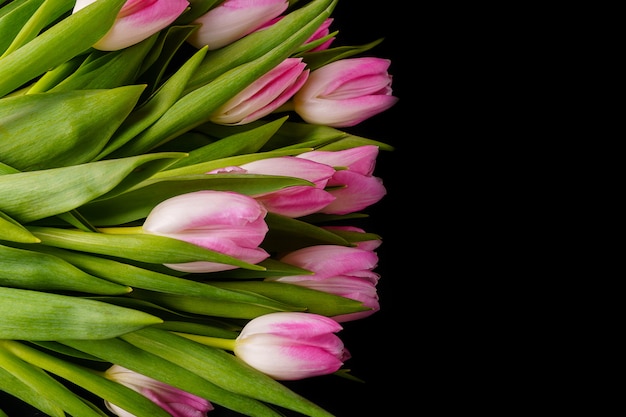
(385,346)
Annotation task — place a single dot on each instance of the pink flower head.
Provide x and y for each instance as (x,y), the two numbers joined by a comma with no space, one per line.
(264,95)
(232,20)
(295,201)
(136,21)
(354,187)
(321,32)
(175,401)
(345,92)
(292,345)
(226,222)
(338,270)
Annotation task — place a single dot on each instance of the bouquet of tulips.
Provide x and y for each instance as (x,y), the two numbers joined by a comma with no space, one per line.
(179,203)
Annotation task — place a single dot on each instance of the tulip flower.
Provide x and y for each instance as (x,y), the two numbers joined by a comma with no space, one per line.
(293,201)
(232,20)
(345,92)
(354,187)
(292,345)
(338,270)
(136,21)
(177,402)
(226,222)
(264,95)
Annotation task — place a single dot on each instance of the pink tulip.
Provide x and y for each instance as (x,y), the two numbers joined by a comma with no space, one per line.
(295,201)
(338,270)
(354,188)
(264,95)
(232,20)
(136,21)
(226,222)
(345,92)
(292,345)
(177,402)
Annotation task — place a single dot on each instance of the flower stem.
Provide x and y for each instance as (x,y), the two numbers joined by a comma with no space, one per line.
(131,230)
(228,344)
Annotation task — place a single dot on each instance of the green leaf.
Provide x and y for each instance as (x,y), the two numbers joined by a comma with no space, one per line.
(28,196)
(247,142)
(273,268)
(139,247)
(223,369)
(111,69)
(45,14)
(13,17)
(35,315)
(318,59)
(133,276)
(14,232)
(155,107)
(83,120)
(54,397)
(214,307)
(17,388)
(313,301)
(287,234)
(41,271)
(68,38)
(126,398)
(165,369)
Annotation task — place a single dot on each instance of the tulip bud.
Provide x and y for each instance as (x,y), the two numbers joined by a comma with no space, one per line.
(232,20)
(292,345)
(175,401)
(338,270)
(226,222)
(295,201)
(345,92)
(264,95)
(136,21)
(354,187)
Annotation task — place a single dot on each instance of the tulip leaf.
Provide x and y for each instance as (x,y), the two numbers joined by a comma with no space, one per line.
(317,59)
(45,14)
(83,121)
(223,369)
(136,277)
(164,369)
(247,142)
(35,315)
(214,307)
(314,301)
(14,232)
(14,386)
(273,268)
(150,111)
(52,394)
(287,234)
(28,196)
(105,70)
(13,17)
(41,271)
(139,247)
(67,38)
(137,203)
(114,392)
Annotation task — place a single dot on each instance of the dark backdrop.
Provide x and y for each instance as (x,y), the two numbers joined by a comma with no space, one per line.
(385,346)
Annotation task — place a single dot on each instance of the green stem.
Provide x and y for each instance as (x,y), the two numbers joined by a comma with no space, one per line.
(131,230)
(216,342)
